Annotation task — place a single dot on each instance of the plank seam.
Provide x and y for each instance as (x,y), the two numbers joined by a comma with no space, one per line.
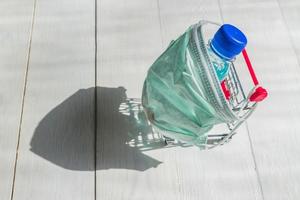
(23,99)
(288,31)
(160,23)
(254,161)
(220,10)
(96,101)
(248,133)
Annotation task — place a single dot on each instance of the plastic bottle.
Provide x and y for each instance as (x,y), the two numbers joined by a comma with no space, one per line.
(227,42)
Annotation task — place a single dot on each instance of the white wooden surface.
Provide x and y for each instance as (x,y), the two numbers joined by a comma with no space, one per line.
(57,153)
(274,127)
(291,16)
(243,184)
(128,45)
(129,40)
(15,23)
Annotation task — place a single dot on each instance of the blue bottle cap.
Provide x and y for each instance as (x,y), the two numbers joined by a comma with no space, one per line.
(228,41)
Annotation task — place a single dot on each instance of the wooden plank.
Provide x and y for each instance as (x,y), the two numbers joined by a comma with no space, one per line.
(56,155)
(226,172)
(15,26)
(291,16)
(129,38)
(274,127)
(128,41)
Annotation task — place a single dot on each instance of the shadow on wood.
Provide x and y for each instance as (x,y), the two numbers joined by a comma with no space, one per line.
(66,135)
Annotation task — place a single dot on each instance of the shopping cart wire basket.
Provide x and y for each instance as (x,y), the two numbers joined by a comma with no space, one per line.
(183,98)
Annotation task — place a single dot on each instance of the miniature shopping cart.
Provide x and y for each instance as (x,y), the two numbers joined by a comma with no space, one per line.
(227,98)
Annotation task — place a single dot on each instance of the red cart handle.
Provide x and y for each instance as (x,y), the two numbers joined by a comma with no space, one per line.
(259,93)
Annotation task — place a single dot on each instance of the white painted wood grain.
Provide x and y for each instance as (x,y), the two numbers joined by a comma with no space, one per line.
(129,39)
(15,20)
(225,172)
(291,15)
(274,127)
(56,155)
